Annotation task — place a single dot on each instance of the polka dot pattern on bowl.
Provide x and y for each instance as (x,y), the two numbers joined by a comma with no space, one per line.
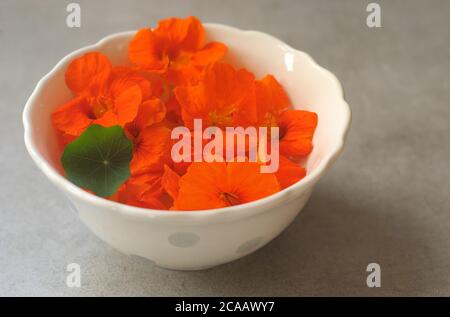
(249,246)
(183,239)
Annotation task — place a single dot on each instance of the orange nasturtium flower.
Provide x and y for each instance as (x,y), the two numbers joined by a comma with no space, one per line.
(220,184)
(221,98)
(103,95)
(296,126)
(177,77)
(173,44)
(176,50)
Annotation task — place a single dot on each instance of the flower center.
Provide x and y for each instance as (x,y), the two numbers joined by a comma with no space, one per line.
(101,105)
(221,120)
(230,199)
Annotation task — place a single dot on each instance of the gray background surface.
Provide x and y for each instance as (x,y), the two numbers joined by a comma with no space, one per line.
(385,201)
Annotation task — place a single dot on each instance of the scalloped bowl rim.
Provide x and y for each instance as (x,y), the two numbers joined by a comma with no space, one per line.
(127,210)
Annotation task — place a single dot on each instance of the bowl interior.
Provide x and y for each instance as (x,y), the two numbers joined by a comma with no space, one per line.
(309,86)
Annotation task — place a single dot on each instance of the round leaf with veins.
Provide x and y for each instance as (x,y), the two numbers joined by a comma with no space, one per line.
(99,159)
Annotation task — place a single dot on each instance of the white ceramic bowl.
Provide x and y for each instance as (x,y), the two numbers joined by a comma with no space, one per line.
(199,239)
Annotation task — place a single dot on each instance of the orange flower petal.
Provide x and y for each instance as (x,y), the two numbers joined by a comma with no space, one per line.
(144,50)
(108,119)
(127,103)
(210,53)
(271,100)
(84,70)
(169,182)
(296,132)
(151,112)
(193,103)
(142,191)
(289,172)
(249,184)
(174,112)
(137,185)
(183,75)
(73,117)
(151,150)
(130,76)
(187,34)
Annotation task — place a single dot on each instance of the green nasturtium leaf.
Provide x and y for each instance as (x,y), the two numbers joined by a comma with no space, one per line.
(99,159)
